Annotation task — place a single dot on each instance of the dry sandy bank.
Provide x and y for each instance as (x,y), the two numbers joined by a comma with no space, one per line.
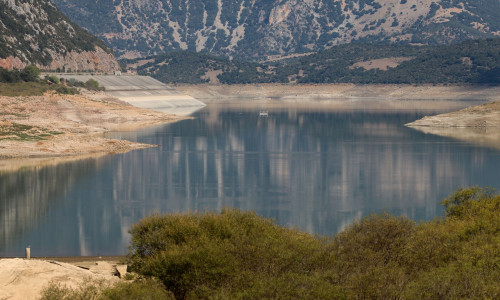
(325,92)
(37,129)
(25,279)
(478,124)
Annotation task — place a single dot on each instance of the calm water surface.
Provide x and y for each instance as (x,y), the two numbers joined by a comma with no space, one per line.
(315,169)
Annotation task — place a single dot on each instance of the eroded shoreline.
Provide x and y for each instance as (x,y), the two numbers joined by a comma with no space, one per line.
(324,93)
(43,129)
(478,124)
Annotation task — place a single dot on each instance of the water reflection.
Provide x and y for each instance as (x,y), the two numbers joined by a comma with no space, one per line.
(312,169)
(28,196)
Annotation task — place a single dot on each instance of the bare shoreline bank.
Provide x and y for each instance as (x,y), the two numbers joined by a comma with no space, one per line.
(325,92)
(41,130)
(27,278)
(478,125)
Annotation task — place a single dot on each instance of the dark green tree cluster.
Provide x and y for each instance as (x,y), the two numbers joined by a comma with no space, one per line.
(192,67)
(470,62)
(27,82)
(238,255)
(28,74)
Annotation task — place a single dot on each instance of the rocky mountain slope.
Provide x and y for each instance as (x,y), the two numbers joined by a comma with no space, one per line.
(36,32)
(256,28)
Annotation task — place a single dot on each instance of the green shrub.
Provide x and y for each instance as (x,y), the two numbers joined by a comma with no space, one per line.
(137,290)
(89,290)
(93,85)
(9,76)
(61,89)
(54,79)
(457,203)
(30,73)
(201,253)
(369,260)
(102,290)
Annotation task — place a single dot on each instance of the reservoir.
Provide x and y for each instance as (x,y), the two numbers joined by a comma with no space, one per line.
(310,167)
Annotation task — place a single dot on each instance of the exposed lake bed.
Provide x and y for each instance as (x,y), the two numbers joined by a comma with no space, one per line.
(50,128)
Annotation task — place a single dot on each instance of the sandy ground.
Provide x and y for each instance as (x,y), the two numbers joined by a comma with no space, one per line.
(320,93)
(25,279)
(37,129)
(478,124)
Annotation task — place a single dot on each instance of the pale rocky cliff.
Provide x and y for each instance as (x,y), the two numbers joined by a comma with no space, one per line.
(36,32)
(253,28)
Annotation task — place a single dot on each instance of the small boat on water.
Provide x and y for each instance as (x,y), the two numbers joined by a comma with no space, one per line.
(263,113)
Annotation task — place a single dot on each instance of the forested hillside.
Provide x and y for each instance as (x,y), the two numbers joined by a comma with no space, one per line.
(475,61)
(257,28)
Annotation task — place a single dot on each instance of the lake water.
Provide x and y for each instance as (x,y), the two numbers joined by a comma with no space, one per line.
(313,168)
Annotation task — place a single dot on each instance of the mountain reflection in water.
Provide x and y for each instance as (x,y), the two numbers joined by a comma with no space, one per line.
(313,169)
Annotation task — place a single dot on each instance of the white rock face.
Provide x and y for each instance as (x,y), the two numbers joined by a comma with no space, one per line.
(265,27)
(35,32)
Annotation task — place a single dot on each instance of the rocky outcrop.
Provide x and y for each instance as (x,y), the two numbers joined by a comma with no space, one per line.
(12,62)
(36,32)
(93,61)
(74,61)
(256,28)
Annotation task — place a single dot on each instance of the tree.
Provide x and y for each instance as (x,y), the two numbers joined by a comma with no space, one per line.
(30,73)
(93,85)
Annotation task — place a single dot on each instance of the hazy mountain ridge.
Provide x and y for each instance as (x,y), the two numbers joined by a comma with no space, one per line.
(36,32)
(257,28)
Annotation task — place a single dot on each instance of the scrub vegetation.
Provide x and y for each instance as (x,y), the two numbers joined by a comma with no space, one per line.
(21,132)
(26,82)
(239,255)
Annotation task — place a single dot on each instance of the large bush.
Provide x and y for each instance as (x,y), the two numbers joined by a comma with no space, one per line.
(238,255)
(30,73)
(231,253)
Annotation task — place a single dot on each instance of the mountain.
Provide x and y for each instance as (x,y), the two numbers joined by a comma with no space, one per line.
(469,62)
(258,28)
(36,32)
